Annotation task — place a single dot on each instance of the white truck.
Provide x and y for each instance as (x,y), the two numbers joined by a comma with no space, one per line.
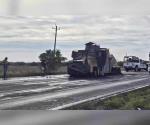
(134,63)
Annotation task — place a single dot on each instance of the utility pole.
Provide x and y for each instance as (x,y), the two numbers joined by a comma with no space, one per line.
(56,29)
(14,7)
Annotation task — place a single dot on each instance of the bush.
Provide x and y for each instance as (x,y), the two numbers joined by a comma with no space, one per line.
(120,63)
(53,61)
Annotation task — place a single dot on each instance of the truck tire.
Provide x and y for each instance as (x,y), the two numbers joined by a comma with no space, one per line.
(136,69)
(146,69)
(95,71)
(126,70)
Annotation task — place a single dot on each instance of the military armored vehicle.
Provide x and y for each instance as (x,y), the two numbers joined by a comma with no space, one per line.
(93,61)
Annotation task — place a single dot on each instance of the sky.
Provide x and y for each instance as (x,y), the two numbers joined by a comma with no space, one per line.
(26,27)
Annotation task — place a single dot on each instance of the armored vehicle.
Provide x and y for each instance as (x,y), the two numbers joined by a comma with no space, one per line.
(93,61)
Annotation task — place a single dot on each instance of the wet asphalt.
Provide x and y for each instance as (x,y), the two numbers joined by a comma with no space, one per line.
(59,91)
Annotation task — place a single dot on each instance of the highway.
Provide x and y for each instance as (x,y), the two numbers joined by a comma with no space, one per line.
(60,91)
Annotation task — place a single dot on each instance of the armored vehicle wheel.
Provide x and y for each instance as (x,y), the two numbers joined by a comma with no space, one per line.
(95,71)
(136,69)
(126,70)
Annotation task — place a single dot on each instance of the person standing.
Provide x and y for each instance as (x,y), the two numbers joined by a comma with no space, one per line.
(5,68)
(44,67)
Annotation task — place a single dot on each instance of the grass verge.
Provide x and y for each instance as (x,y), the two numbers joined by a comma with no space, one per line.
(138,99)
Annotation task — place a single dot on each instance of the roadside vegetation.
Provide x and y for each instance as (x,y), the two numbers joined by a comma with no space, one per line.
(55,65)
(53,60)
(27,69)
(120,63)
(135,100)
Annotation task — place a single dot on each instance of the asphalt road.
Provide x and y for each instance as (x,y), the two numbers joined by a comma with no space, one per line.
(60,91)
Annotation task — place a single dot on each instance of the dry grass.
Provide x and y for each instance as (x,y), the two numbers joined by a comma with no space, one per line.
(26,70)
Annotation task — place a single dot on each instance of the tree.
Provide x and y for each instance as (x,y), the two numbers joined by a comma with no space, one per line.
(120,63)
(52,61)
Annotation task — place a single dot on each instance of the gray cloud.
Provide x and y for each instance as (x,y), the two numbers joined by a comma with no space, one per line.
(122,34)
(73,7)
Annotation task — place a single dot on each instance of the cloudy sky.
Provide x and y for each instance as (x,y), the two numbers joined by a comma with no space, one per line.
(26,27)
